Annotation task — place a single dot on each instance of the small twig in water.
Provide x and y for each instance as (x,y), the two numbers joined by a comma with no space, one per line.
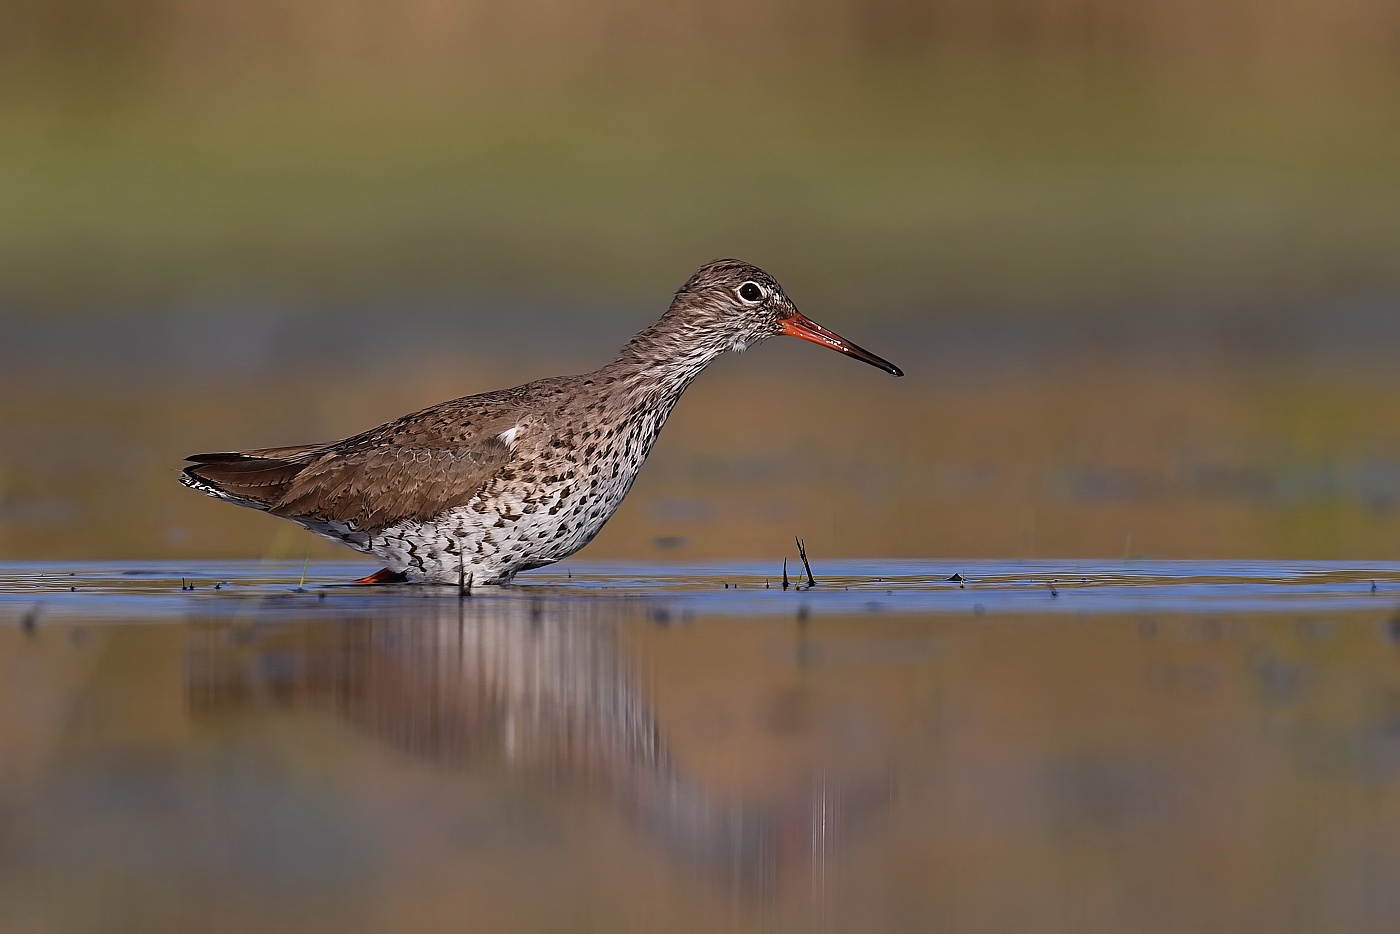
(786,585)
(301,585)
(1053,591)
(464,580)
(802,552)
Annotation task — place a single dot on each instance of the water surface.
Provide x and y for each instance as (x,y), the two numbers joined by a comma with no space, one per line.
(1076,746)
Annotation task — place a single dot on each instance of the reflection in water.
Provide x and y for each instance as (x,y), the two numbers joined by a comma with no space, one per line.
(550,758)
(546,689)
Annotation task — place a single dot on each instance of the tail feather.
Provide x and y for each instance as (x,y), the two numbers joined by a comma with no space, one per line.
(252,478)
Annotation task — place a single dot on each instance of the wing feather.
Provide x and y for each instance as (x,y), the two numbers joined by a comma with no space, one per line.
(379,486)
(414,468)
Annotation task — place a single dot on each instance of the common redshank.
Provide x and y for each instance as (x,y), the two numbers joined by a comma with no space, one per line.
(502,482)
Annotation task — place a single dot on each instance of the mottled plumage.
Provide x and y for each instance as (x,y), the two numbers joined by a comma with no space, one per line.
(501,482)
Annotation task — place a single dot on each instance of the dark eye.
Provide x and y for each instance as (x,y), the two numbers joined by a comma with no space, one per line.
(751,292)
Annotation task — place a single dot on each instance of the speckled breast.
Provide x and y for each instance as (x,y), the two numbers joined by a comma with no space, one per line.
(542,507)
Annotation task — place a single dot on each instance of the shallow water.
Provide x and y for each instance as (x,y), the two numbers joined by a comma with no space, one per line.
(1076,746)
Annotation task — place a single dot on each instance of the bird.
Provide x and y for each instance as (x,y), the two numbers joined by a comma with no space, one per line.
(485,486)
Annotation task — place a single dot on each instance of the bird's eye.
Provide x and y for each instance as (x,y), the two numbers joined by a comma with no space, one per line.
(751,292)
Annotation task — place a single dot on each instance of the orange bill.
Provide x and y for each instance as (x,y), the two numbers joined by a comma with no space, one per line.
(799,325)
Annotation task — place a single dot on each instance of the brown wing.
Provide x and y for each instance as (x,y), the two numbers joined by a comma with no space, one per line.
(379,485)
(415,468)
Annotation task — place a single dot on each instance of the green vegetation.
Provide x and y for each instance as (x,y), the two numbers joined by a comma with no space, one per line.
(908,156)
(900,196)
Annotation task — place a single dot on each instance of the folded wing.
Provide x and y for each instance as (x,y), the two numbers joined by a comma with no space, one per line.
(399,472)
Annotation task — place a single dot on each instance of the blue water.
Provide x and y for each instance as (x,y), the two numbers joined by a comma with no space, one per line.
(1063,746)
(159,589)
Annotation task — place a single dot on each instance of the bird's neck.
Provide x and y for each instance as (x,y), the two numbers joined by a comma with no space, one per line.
(662,360)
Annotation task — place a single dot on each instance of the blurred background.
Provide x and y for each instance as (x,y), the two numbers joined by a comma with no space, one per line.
(1140,258)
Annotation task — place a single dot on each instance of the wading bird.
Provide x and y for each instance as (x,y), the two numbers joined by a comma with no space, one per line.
(502,482)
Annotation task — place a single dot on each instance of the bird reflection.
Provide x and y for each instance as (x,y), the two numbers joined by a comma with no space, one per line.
(544,686)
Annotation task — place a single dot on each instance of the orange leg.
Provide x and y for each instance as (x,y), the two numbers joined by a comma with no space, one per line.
(383,576)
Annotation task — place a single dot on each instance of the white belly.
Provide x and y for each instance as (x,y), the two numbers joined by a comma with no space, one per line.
(492,546)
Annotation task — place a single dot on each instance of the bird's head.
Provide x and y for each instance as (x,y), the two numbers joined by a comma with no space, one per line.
(737,305)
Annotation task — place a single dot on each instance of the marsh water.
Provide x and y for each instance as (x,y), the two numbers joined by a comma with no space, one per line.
(908,745)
